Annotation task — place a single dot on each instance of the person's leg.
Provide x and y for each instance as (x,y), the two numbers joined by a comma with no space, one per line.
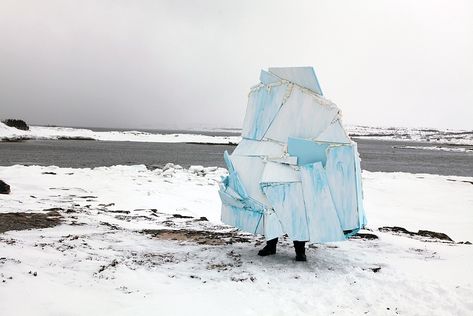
(270,248)
(299,246)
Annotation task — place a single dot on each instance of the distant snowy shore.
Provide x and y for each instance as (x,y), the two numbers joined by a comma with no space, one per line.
(438,136)
(126,240)
(67,133)
(449,137)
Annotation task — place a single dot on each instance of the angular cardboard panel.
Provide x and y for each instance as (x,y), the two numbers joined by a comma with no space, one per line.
(359,190)
(250,170)
(267,78)
(301,116)
(288,203)
(340,170)
(250,147)
(230,199)
(263,105)
(334,133)
(307,151)
(246,220)
(302,76)
(277,172)
(322,218)
(272,226)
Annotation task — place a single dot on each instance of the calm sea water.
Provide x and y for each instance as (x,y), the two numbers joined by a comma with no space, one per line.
(376,155)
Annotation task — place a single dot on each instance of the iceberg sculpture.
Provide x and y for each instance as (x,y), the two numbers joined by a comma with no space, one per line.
(295,171)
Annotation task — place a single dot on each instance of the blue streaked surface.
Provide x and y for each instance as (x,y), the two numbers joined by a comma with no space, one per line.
(263,106)
(246,220)
(340,170)
(288,203)
(322,218)
(272,225)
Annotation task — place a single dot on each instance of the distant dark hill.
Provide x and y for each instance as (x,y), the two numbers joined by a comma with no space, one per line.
(19,124)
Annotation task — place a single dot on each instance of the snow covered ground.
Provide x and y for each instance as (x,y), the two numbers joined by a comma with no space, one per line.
(120,250)
(451,137)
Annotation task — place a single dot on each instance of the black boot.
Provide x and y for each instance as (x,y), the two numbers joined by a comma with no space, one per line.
(269,249)
(299,246)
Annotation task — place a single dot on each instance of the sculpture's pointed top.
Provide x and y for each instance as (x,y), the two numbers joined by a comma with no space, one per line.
(302,76)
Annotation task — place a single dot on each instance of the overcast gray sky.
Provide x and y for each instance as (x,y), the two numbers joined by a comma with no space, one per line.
(190,64)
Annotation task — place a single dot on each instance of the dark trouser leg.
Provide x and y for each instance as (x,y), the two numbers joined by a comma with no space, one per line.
(270,248)
(299,246)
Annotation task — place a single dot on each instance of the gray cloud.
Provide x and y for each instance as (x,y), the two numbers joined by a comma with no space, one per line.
(177,64)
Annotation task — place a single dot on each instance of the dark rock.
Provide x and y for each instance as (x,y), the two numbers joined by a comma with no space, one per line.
(18,124)
(181,216)
(365,236)
(420,233)
(4,188)
(431,234)
(395,229)
(49,172)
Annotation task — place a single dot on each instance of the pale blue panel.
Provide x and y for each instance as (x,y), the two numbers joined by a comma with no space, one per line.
(268,78)
(233,188)
(263,106)
(228,162)
(288,203)
(302,116)
(307,151)
(335,133)
(233,181)
(250,170)
(230,200)
(359,190)
(272,226)
(250,147)
(246,220)
(233,192)
(302,76)
(340,170)
(322,218)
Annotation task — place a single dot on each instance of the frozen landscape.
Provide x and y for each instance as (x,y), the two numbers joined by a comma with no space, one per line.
(127,240)
(148,167)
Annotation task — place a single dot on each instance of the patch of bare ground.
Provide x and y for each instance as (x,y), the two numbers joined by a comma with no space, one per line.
(201,237)
(24,221)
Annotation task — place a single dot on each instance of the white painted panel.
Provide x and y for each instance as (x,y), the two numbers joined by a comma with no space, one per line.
(302,115)
(277,172)
(250,147)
